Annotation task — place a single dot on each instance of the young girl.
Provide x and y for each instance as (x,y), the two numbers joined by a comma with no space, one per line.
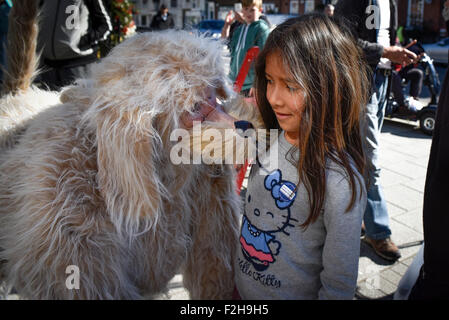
(300,235)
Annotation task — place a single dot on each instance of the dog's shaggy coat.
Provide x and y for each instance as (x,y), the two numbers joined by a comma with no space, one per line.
(88,181)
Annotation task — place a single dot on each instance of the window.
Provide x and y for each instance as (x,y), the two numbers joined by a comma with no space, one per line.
(143,20)
(173,3)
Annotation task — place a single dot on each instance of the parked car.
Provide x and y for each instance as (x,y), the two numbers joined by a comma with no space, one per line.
(211,28)
(438,51)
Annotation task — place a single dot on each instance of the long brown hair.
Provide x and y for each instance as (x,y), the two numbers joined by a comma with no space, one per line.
(322,56)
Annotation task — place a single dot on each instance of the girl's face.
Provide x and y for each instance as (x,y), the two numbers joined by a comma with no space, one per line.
(285,97)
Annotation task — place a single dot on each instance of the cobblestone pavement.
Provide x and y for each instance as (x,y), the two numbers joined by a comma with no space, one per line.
(404,156)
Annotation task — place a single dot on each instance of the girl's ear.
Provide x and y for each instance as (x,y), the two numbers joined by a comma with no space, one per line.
(126,175)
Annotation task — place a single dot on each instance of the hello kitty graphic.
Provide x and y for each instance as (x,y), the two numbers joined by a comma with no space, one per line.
(260,247)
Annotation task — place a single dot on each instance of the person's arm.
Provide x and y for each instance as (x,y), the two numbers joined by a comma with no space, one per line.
(100,21)
(342,244)
(229,19)
(399,55)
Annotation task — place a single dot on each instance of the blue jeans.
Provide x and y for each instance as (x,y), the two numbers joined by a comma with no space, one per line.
(376,214)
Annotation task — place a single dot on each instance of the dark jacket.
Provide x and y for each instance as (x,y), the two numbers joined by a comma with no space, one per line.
(159,24)
(4,11)
(356,15)
(66,37)
(433,281)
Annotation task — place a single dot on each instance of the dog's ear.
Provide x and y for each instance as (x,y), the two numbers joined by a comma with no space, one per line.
(126,173)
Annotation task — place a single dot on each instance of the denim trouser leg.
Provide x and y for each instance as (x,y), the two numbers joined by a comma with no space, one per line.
(376,214)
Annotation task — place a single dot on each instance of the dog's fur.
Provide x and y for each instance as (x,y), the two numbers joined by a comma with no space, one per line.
(88,181)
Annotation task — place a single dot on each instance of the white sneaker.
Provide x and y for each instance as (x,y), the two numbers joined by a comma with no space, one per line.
(414,105)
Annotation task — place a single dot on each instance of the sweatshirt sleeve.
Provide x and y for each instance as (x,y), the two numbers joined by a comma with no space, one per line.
(342,244)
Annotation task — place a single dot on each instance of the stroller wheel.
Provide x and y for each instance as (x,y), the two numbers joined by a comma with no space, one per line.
(427,122)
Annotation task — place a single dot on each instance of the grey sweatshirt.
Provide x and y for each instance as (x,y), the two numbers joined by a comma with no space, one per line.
(276,258)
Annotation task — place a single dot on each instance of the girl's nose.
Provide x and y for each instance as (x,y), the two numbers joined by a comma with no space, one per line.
(275,96)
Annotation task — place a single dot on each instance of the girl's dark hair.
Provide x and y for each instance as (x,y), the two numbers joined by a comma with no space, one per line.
(322,56)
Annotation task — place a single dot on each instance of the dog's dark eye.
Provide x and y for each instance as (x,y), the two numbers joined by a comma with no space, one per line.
(196,108)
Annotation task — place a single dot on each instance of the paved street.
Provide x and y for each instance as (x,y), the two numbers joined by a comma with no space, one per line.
(404,156)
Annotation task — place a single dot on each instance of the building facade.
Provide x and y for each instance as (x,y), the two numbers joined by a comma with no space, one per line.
(220,7)
(424,15)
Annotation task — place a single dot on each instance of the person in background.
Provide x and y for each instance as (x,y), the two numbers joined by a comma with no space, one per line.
(329,10)
(5,7)
(69,39)
(226,33)
(446,16)
(163,20)
(415,76)
(411,105)
(378,45)
(253,32)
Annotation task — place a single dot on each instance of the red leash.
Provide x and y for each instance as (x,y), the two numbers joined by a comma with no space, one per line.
(249,58)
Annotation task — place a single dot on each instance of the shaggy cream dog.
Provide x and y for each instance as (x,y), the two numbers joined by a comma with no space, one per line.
(88,182)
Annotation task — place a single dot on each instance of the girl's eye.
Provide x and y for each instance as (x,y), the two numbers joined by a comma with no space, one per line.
(292,89)
(269,81)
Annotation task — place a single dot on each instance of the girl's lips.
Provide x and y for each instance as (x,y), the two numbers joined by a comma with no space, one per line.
(282,115)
